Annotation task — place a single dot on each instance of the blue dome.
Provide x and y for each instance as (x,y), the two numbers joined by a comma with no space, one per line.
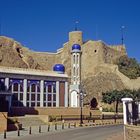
(59,68)
(76,47)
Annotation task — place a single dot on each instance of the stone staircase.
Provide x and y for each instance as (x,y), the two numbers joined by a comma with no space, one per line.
(27,121)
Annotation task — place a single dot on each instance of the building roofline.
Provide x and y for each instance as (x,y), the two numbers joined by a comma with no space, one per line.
(24,71)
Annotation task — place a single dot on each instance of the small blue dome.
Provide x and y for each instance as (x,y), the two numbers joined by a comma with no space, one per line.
(76,47)
(59,68)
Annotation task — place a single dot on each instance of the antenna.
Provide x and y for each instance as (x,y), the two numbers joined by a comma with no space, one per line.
(122,34)
(96,35)
(76,25)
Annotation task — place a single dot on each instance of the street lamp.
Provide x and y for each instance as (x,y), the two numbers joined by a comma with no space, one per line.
(81,108)
(82,95)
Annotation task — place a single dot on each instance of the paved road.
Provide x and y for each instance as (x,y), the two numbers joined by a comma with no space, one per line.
(88,133)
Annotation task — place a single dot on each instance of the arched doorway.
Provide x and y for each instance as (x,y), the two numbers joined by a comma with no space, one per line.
(74,99)
(93,103)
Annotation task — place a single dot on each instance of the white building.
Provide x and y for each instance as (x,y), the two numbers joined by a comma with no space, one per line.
(34,88)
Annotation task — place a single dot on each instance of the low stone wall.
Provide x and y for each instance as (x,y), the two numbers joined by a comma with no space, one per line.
(21,111)
(3,121)
(132,132)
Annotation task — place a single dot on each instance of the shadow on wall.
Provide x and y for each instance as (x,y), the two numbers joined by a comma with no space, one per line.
(22,111)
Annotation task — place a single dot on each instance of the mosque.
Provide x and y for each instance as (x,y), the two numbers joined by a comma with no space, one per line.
(39,88)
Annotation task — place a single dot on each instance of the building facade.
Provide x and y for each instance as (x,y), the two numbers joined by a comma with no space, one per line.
(34,88)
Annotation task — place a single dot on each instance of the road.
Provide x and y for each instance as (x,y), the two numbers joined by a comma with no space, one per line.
(87,133)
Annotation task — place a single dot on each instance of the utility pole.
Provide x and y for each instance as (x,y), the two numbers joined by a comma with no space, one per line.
(81,108)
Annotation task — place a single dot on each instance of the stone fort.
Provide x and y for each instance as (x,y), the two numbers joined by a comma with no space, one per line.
(98,70)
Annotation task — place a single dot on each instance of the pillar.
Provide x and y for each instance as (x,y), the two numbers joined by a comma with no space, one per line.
(66,94)
(8,98)
(7,83)
(41,92)
(25,92)
(57,93)
(125,101)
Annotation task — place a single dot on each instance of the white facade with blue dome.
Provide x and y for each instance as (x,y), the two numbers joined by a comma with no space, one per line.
(75,75)
(33,88)
(41,88)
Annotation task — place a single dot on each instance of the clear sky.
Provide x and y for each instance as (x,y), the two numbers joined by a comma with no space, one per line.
(43,25)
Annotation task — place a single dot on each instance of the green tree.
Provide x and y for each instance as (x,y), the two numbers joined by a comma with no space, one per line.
(115,96)
(136,94)
(129,67)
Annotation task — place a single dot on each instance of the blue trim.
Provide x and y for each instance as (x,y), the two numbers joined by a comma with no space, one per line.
(46,83)
(36,82)
(13,81)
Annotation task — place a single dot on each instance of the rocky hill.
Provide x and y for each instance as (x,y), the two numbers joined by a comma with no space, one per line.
(98,72)
(13,54)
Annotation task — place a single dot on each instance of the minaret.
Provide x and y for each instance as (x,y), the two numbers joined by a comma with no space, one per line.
(76,64)
(75,41)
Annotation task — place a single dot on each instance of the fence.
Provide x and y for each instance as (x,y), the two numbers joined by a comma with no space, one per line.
(133,112)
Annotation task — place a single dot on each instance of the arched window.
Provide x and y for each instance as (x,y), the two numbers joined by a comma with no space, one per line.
(38,89)
(77,71)
(33,88)
(28,89)
(49,94)
(77,59)
(73,59)
(74,71)
(49,88)
(15,87)
(21,88)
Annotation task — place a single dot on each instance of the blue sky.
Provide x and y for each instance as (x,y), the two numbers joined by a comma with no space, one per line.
(43,25)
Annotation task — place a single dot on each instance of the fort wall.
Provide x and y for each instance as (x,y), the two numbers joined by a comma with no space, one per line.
(97,57)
